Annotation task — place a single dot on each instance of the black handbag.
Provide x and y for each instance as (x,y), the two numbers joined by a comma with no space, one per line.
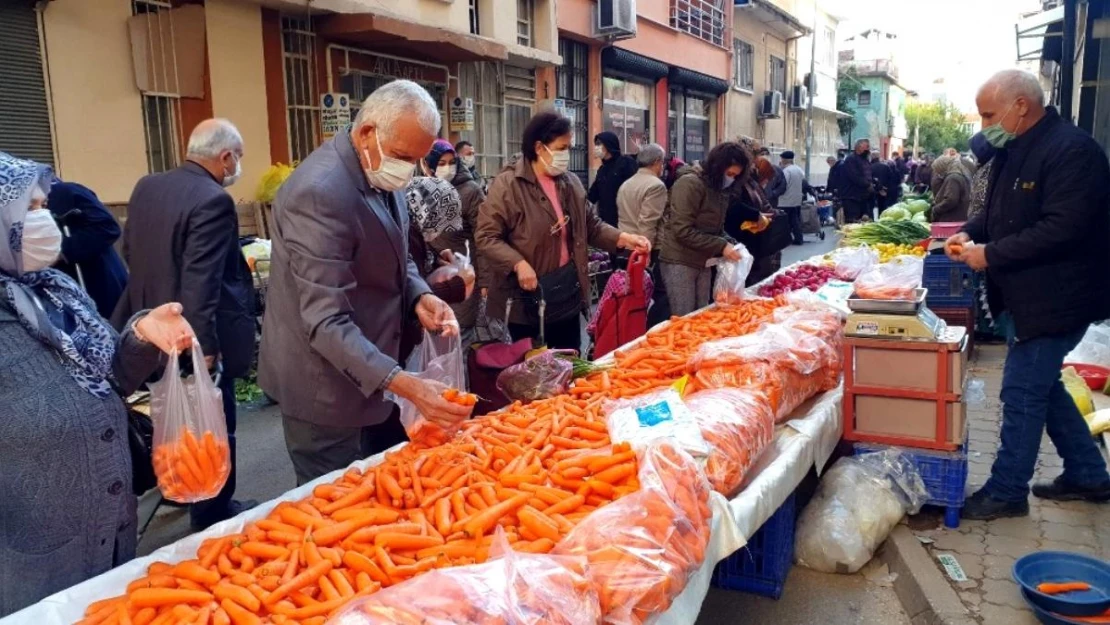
(560,292)
(140,438)
(774,239)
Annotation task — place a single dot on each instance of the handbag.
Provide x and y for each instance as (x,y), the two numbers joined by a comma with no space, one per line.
(774,239)
(559,292)
(140,439)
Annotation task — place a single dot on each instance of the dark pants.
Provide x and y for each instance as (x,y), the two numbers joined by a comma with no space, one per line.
(794,214)
(566,334)
(317,450)
(660,310)
(854,209)
(214,510)
(1034,400)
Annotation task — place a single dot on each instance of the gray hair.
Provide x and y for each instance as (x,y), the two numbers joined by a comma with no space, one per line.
(394,100)
(650,154)
(862,141)
(213,136)
(1016,83)
(830,160)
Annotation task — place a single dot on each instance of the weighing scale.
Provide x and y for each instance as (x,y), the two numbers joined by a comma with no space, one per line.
(894,319)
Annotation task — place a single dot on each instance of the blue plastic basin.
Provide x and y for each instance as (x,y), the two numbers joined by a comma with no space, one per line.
(1043,615)
(1061,566)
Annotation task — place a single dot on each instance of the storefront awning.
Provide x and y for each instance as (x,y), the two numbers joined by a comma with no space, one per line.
(394,35)
(776,20)
(834,112)
(623,61)
(696,81)
(1039,36)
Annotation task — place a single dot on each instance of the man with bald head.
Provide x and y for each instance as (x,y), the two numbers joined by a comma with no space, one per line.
(1044,240)
(181,243)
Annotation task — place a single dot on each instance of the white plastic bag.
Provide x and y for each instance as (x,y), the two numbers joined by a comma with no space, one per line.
(460,264)
(440,360)
(858,503)
(662,414)
(191,455)
(732,276)
(896,279)
(850,262)
(1093,349)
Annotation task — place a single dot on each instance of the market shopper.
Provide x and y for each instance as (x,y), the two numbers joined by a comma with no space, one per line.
(883,179)
(181,241)
(533,233)
(435,211)
(88,252)
(776,186)
(68,511)
(615,169)
(342,286)
(694,230)
(468,158)
(984,156)
(856,183)
(791,200)
(923,175)
(951,188)
(671,170)
(641,202)
(1044,240)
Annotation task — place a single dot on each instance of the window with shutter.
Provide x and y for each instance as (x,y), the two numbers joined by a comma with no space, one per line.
(24,111)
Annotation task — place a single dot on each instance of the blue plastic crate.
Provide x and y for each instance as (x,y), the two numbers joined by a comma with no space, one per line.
(944,474)
(761,566)
(951,284)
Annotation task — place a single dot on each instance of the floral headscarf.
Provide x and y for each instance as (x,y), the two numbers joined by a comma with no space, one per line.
(434,206)
(89,345)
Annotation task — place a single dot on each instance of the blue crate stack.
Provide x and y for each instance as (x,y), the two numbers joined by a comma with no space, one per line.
(944,474)
(951,284)
(761,567)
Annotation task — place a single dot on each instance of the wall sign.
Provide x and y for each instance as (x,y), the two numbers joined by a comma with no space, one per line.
(462,114)
(335,113)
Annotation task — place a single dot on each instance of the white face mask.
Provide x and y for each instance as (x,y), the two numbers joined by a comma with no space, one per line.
(445,172)
(234,177)
(560,161)
(469,160)
(42,240)
(727,181)
(599,151)
(393,174)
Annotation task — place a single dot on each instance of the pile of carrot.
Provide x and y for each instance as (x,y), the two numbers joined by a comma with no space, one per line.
(192,469)
(428,434)
(544,475)
(738,424)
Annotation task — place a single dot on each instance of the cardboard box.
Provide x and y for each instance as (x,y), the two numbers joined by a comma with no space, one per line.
(908,418)
(917,370)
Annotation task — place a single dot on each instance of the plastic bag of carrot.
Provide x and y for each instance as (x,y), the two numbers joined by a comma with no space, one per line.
(191,455)
(738,425)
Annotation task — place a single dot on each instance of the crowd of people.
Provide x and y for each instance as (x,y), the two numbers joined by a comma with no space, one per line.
(362,228)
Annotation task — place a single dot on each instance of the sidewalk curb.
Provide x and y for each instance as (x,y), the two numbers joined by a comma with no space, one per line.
(926,595)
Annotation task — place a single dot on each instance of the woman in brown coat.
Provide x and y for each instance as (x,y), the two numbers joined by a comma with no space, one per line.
(951,185)
(533,233)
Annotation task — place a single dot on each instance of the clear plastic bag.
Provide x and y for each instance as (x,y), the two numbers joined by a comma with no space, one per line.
(738,425)
(460,264)
(438,359)
(858,503)
(643,548)
(513,589)
(850,262)
(191,456)
(732,275)
(652,416)
(1093,349)
(896,279)
(539,377)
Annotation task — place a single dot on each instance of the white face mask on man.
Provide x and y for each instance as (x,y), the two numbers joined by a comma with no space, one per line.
(469,160)
(42,240)
(393,174)
(232,178)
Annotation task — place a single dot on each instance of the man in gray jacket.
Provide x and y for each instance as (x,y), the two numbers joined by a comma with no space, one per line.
(342,287)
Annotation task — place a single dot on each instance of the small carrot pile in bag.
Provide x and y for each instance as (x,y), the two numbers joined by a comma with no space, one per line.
(897,279)
(191,456)
(439,359)
(738,425)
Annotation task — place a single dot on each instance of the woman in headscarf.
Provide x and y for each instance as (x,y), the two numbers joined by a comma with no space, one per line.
(951,185)
(65,465)
(984,157)
(434,211)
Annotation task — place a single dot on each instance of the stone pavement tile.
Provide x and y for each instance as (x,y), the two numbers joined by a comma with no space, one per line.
(970,544)
(1070,534)
(1053,514)
(1021,527)
(1056,545)
(1002,592)
(1006,546)
(1006,615)
(998,567)
(970,598)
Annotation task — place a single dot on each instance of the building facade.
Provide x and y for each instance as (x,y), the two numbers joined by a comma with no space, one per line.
(880,103)
(108,90)
(654,76)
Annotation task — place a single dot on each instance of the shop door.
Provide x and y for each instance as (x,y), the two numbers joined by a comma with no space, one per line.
(359,72)
(24,114)
(689,133)
(572,87)
(626,111)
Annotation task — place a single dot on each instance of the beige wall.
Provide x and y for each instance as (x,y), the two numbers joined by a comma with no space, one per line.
(98,123)
(743,108)
(238,83)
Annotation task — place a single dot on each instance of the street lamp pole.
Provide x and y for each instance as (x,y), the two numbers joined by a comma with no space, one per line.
(812,85)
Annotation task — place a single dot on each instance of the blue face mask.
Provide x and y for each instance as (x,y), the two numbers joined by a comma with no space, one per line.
(996,135)
(727,181)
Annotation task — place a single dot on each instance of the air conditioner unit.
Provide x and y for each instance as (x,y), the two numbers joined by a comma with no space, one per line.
(616,19)
(799,98)
(772,103)
(811,83)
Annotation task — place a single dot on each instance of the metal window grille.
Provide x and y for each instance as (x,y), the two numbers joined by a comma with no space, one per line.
(485,83)
(572,86)
(704,19)
(745,64)
(161,111)
(475,25)
(864,98)
(520,95)
(298,44)
(525,22)
(778,75)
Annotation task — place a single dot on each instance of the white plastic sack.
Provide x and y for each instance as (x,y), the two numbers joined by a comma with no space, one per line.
(1093,349)
(858,503)
(732,276)
(850,262)
(653,416)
